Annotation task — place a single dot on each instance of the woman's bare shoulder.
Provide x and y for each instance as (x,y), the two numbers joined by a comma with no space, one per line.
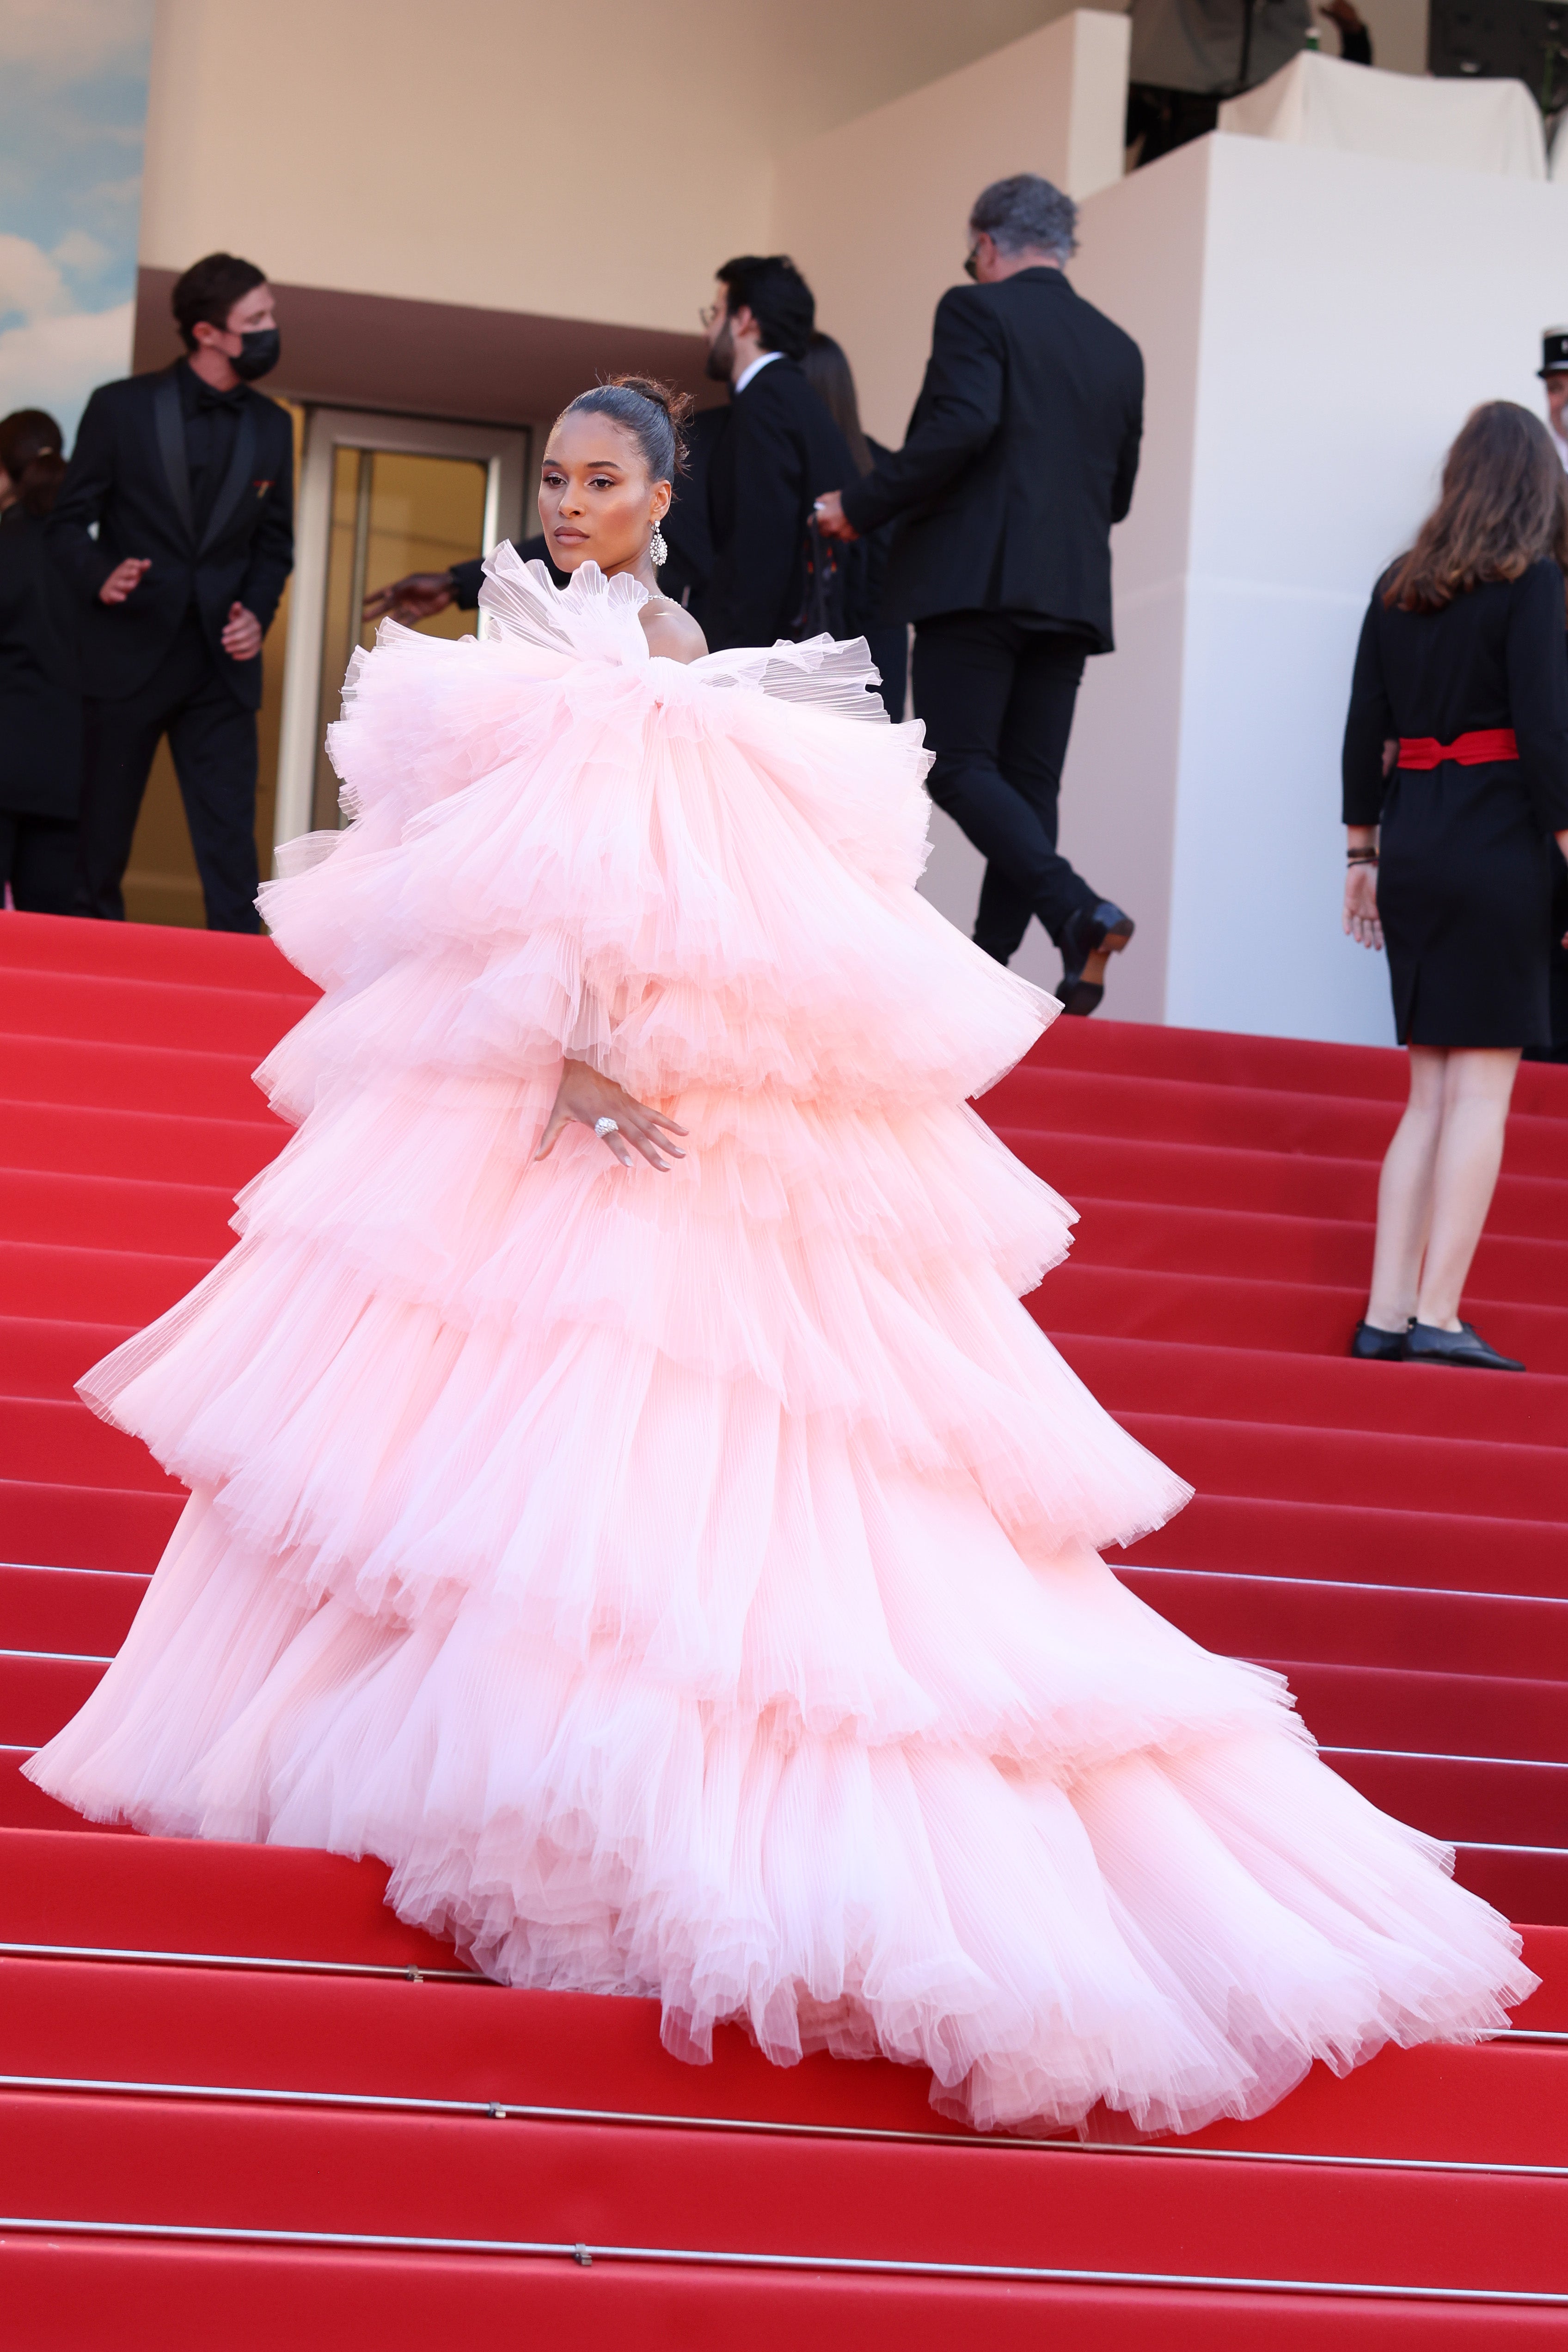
(671,631)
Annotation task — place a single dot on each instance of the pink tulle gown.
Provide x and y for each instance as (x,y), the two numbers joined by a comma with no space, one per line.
(690,1582)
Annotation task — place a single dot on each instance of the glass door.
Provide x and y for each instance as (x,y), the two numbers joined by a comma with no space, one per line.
(379,497)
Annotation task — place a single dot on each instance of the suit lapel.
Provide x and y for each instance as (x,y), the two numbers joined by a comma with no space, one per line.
(235,480)
(170,424)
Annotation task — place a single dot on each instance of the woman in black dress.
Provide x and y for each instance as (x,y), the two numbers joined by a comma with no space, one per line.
(40,706)
(1455,778)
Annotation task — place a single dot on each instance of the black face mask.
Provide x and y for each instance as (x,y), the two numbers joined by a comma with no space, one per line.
(260,350)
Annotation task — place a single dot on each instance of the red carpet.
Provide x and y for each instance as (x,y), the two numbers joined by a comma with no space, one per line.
(222,2070)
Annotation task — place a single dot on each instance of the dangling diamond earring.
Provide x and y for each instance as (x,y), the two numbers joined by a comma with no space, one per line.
(659,553)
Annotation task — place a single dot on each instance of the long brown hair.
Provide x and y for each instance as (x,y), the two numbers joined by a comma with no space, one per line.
(830,376)
(1504,506)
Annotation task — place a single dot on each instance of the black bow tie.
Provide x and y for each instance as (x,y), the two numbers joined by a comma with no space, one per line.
(207,398)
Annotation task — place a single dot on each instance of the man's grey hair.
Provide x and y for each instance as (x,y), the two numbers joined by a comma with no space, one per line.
(1027,211)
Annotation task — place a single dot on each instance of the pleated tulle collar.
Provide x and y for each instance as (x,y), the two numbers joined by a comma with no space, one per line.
(593,617)
(596,619)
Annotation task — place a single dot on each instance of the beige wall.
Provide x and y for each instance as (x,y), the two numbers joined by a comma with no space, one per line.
(574,163)
(874,210)
(596,163)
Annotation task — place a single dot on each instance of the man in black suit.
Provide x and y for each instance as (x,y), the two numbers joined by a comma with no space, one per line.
(779,448)
(1021,455)
(188,475)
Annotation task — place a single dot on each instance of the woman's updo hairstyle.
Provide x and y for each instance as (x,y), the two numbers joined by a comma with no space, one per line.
(653,412)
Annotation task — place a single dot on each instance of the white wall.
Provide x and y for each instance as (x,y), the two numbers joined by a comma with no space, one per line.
(1316,325)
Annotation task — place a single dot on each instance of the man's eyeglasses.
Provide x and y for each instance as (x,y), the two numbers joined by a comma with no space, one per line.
(971,262)
(708,313)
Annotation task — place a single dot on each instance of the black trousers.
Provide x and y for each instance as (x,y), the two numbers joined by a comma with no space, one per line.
(213,739)
(997,691)
(37,858)
(890,649)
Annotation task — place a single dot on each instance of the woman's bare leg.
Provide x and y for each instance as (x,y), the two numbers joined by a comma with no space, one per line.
(1404,1195)
(1477,1085)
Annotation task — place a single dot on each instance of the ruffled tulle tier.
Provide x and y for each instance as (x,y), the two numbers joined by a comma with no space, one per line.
(422,1323)
(689,1582)
(1176,1929)
(686,885)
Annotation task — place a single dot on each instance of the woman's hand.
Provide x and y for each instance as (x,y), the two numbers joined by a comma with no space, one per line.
(585,1098)
(1361,919)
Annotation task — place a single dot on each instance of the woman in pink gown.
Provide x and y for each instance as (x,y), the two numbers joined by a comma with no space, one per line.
(626,1494)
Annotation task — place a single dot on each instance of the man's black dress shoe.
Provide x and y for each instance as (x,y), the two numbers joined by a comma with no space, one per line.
(1090,935)
(1376,1347)
(1428,1343)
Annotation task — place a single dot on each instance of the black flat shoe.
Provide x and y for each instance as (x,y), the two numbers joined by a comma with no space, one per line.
(1428,1343)
(1376,1347)
(1091,936)
(1080,996)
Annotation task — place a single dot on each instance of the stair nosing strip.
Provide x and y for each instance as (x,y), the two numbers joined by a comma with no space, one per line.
(1318,1584)
(1415,1755)
(142,1183)
(1479,1845)
(266,1122)
(525,2111)
(1438,1756)
(61,1657)
(43,1567)
(1083,1201)
(410,1971)
(1135,1567)
(1386,1437)
(697,2258)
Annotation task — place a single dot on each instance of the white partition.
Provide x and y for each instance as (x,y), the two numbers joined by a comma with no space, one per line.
(1317,101)
(1316,325)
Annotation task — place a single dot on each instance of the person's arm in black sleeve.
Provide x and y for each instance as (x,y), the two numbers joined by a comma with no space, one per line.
(1369,725)
(960,405)
(1127,459)
(466,580)
(463,581)
(769,532)
(272,545)
(1537,691)
(84,493)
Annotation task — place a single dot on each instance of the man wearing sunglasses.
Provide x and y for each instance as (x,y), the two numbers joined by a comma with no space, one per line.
(1021,455)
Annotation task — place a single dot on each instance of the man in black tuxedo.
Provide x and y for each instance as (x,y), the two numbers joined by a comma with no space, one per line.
(188,475)
(779,448)
(1021,455)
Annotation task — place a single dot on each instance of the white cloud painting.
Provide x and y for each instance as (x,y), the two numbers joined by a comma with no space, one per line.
(73,107)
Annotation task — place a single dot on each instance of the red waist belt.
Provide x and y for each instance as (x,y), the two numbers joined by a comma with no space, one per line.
(1470,751)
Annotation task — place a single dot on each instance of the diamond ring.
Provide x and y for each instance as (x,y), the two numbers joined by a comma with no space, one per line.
(602,1127)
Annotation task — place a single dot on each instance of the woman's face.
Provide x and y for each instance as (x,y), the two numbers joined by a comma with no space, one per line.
(595,501)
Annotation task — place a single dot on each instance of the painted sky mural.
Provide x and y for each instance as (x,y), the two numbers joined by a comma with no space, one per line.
(73,107)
